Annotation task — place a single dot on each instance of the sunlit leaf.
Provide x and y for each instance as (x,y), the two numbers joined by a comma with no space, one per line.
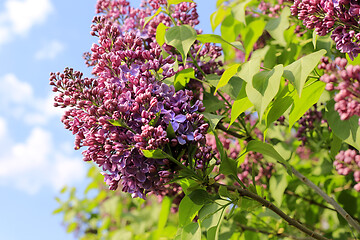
(239,11)
(231,71)
(277,26)
(187,211)
(191,231)
(156,154)
(241,104)
(310,95)
(148,19)
(298,71)
(181,38)
(213,38)
(178,1)
(263,88)
(160,34)
(251,34)
(183,77)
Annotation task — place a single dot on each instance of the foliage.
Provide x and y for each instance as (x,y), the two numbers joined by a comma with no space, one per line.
(251,134)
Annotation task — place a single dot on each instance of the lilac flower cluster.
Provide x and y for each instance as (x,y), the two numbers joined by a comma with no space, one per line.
(125,108)
(346,80)
(339,17)
(307,123)
(348,162)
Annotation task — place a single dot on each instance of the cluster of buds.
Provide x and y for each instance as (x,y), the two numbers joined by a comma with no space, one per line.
(339,17)
(348,162)
(346,80)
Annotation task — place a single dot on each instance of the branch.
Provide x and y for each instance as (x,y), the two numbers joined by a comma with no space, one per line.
(328,199)
(272,207)
(247,228)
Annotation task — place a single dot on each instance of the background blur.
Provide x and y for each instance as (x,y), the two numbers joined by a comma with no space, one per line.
(36,152)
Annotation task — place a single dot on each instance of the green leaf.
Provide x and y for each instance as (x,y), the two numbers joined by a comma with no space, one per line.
(164,213)
(279,106)
(249,69)
(212,103)
(314,38)
(230,30)
(240,105)
(160,34)
(191,231)
(156,154)
(335,146)
(213,119)
(347,130)
(228,166)
(277,26)
(183,77)
(118,123)
(309,97)
(71,227)
(155,120)
(298,71)
(178,1)
(356,60)
(278,184)
(170,131)
(225,77)
(251,34)
(211,216)
(263,88)
(268,150)
(233,87)
(217,17)
(181,38)
(148,19)
(187,211)
(213,38)
(200,197)
(239,11)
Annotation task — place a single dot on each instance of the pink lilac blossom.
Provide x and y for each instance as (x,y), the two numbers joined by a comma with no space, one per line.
(125,108)
(342,18)
(348,162)
(345,79)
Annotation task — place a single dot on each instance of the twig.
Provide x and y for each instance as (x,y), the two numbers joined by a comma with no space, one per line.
(272,207)
(328,199)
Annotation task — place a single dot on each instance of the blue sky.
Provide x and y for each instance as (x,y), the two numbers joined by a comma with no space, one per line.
(36,153)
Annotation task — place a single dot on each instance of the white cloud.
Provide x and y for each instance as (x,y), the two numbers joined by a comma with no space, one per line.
(3,128)
(50,51)
(37,163)
(18,101)
(19,16)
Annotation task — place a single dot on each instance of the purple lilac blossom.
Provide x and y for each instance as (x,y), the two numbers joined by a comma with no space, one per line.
(124,108)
